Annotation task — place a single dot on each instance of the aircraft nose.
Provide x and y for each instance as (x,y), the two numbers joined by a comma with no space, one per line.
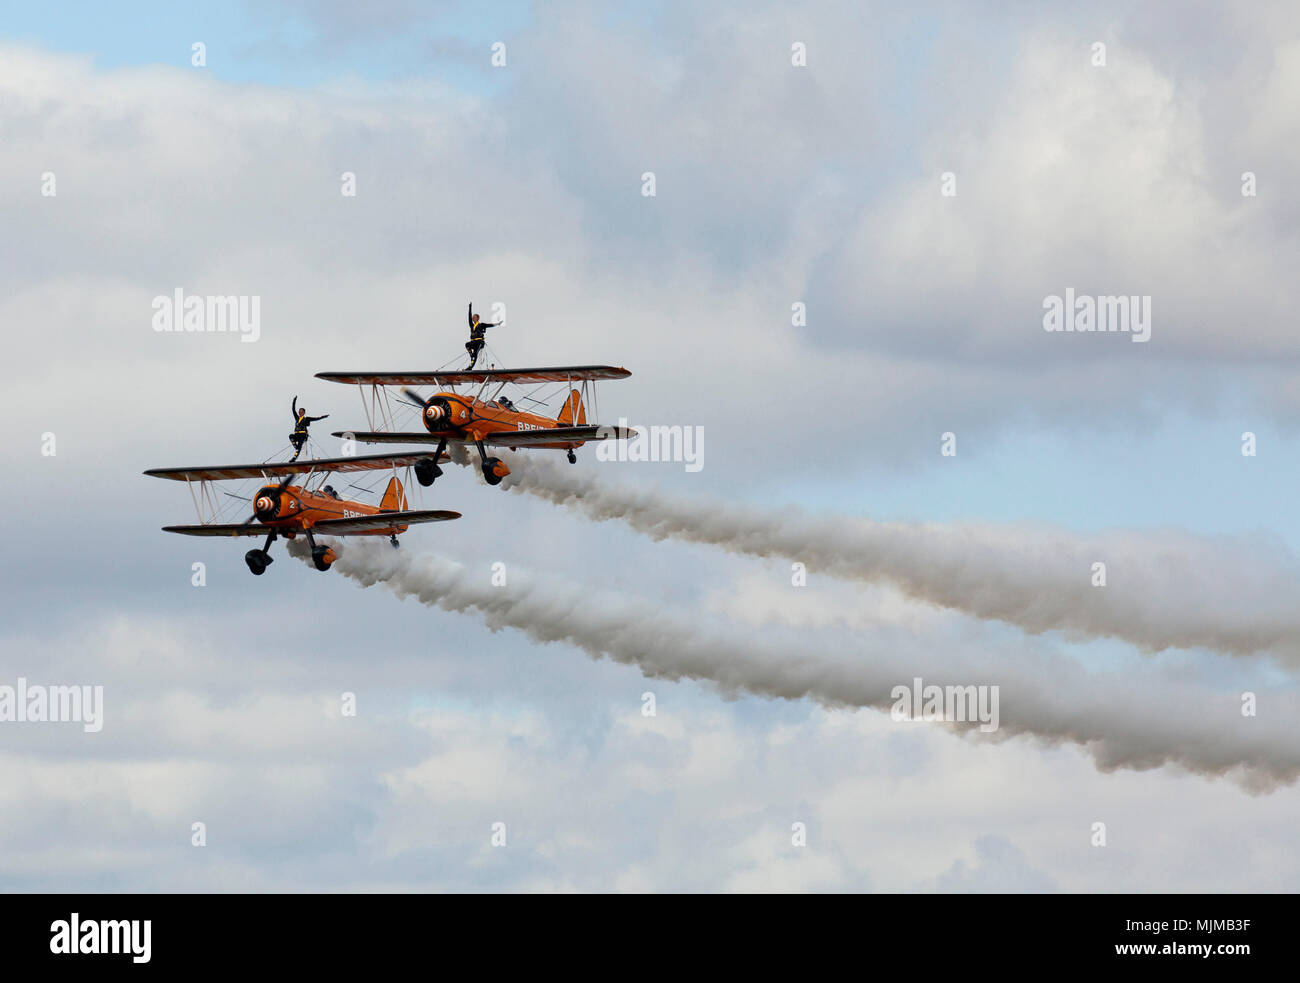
(434,413)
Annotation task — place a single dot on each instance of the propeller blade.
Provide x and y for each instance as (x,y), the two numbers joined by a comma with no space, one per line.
(278,488)
(412,397)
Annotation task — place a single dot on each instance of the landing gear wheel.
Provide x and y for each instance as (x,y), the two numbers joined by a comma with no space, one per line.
(489,470)
(258,561)
(323,557)
(393,539)
(573,458)
(427,471)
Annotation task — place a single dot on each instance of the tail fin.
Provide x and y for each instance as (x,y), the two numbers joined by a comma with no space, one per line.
(394,499)
(574,414)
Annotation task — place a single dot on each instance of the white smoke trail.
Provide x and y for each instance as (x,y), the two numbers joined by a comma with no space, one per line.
(1163,589)
(1136,721)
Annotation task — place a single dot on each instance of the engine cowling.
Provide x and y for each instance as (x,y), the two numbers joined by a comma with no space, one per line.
(440,415)
(266,503)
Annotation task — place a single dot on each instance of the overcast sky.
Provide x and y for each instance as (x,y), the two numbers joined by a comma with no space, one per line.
(776,184)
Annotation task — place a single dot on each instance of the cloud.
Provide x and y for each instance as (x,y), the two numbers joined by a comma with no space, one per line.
(773,187)
(999,869)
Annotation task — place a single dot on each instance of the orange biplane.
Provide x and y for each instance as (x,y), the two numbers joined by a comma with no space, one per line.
(285,509)
(482,420)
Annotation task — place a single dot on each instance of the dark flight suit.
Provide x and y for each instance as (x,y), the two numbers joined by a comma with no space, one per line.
(300,424)
(477,340)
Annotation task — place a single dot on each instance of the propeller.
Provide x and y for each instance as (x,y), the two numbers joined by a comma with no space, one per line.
(275,499)
(433,411)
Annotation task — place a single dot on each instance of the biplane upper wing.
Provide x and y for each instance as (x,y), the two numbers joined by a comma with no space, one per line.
(279,469)
(525,377)
(555,435)
(220,529)
(381,522)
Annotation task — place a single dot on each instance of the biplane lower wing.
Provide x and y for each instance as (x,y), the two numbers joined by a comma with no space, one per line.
(279,469)
(382,522)
(504,438)
(220,529)
(523,377)
(390,437)
(555,435)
